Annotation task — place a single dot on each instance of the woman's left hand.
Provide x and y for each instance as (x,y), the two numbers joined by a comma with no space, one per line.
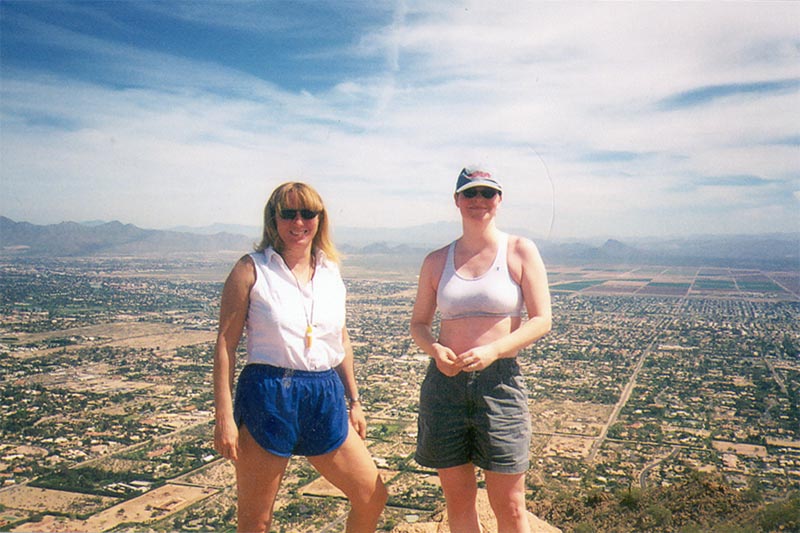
(477,358)
(358,420)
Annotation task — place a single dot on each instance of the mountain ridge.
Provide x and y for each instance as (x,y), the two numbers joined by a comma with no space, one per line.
(775,251)
(71,239)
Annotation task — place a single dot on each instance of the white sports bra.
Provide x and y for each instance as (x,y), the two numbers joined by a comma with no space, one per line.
(493,293)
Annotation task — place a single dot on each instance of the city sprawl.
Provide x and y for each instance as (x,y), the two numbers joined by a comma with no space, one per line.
(650,374)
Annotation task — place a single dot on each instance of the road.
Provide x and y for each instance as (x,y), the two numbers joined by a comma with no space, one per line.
(648,467)
(626,393)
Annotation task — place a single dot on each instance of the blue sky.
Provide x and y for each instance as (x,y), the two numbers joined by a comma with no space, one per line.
(601,119)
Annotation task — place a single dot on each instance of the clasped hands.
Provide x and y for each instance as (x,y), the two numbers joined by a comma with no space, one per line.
(450,364)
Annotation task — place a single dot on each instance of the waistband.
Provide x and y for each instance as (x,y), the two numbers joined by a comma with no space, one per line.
(501,367)
(270,371)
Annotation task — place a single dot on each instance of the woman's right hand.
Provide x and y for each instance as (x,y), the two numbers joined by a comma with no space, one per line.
(446,360)
(226,439)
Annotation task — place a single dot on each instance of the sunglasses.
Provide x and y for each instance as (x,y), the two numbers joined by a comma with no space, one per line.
(291,214)
(486,193)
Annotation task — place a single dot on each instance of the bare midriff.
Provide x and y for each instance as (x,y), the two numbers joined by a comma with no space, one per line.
(462,334)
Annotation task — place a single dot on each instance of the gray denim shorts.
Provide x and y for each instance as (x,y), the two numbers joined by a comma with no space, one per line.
(477,417)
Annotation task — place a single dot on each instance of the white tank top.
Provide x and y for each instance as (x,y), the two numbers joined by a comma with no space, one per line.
(279,313)
(493,293)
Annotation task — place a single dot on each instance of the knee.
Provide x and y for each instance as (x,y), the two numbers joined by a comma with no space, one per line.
(509,510)
(253,523)
(373,497)
(380,495)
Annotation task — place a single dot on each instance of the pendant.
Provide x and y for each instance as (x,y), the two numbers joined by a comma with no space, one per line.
(309,336)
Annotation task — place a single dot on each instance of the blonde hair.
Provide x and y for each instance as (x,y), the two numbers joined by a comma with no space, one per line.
(307,198)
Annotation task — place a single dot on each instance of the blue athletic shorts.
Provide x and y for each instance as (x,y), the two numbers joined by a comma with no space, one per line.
(475,417)
(292,412)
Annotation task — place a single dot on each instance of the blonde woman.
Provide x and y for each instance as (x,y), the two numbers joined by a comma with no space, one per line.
(297,394)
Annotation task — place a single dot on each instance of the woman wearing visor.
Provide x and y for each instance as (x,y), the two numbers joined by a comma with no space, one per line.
(473,402)
(293,394)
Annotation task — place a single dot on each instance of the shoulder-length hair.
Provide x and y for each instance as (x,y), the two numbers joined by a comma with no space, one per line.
(305,197)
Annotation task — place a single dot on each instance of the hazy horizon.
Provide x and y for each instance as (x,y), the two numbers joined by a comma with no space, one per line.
(623,120)
(451,231)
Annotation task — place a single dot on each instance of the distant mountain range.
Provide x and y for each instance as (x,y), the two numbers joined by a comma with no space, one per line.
(108,238)
(774,251)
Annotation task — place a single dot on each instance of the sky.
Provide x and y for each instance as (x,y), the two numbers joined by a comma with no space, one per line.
(609,120)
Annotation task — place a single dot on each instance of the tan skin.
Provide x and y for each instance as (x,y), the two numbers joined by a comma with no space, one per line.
(258,472)
(473,343)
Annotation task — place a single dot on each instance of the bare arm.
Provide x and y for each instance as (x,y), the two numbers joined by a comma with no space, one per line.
(536,293)
(346,371)
(424,310)
(232,317)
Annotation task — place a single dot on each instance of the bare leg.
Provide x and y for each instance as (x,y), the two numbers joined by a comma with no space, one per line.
(460,488)
(507,498)
(258,477)
(351,469)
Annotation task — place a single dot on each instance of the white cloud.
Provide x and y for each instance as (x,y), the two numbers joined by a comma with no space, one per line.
(554,97)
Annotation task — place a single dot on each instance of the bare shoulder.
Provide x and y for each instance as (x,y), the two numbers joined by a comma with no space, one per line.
(434,261)
(522,248)
(432,267)
(438,256)
(524,261)
(243,272)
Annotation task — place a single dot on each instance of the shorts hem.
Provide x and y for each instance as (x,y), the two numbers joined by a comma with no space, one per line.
(267,449)
(332,448)
(439,464)
(499,469)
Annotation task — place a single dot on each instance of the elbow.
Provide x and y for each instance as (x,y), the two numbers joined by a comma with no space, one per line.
(546,323)
(419,331)
(413,332)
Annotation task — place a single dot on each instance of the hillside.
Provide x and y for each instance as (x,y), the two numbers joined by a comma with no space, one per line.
(70,239)
(702,503)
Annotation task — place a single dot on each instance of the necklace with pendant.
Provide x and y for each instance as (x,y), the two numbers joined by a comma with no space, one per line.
(309,316)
